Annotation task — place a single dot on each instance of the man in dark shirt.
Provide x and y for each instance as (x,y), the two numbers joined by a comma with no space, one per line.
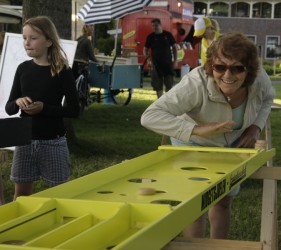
(162,45)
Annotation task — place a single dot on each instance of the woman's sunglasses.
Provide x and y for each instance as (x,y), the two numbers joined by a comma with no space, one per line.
(234,69)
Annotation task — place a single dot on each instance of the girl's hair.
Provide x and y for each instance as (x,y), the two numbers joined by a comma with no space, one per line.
(56,55)
(235,46)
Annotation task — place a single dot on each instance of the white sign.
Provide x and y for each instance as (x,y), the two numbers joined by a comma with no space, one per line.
(159,3)
(13,54)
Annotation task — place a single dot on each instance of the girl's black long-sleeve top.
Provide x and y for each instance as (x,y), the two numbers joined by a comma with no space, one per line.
(36,82)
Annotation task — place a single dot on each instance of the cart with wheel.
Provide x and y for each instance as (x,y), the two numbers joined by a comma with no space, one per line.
(117,80)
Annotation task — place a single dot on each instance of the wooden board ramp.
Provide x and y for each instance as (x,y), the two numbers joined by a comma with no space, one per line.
(208,244)
(106,210)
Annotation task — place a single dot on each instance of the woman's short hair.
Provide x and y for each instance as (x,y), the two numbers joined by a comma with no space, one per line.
(86,30)
(235,46)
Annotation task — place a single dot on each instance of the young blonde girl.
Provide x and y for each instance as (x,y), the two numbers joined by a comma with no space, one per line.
(38,89)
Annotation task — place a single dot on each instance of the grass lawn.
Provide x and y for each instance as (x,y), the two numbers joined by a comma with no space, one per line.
(109,134)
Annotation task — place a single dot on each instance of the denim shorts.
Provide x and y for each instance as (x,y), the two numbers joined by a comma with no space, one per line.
(177,142)
(46,159)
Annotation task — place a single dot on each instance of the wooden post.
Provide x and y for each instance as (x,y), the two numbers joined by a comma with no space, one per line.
(165,140)
(269,205)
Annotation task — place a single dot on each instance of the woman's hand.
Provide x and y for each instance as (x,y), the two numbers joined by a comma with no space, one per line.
(249,137)
(33,108)
(213,128)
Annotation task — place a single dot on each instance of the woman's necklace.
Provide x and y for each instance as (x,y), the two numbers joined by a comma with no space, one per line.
(237,98)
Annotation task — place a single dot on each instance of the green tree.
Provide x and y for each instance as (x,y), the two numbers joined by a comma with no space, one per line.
(16,2)
(58,11)
(102,28)
(103,41)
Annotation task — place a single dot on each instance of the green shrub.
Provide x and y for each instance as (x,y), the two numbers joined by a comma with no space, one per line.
(269,67)
(106,46)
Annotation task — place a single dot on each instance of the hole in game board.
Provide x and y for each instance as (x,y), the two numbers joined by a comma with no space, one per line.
(141,180)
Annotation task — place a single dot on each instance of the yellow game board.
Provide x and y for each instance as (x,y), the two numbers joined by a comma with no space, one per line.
(109,209)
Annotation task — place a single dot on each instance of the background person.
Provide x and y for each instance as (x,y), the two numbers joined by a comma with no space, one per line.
(84,51)
(224,103)
(38,89)
(208,30)
(215,25)
(161,43)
